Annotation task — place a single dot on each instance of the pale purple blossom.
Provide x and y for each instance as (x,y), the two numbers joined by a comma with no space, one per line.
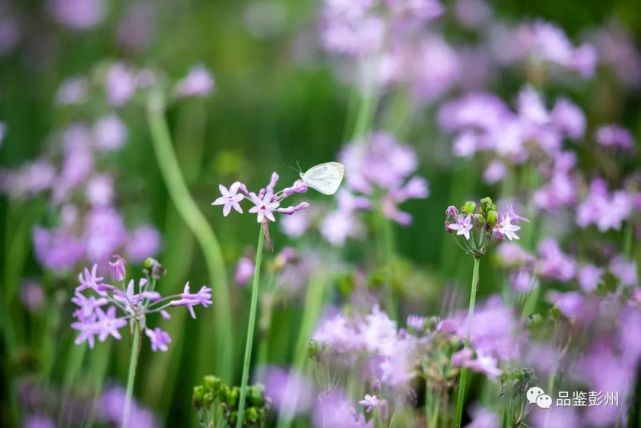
(291,392)
(73,90)
(78,15)
(103,310)
(463,226)
(604,209)
(117,268)
(110,133)
(198,83)
(505,228)
(371,402)
(189,299)
(615,136)
(159,339)
(32,296)
(120,84)
(553,263)
(142,242)
(230,198)
(589,277)
(264,207)
(112,401)
(244,271)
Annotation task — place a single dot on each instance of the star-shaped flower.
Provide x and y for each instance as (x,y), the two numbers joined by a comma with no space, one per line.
(264,207)
(230,198)
(463,226)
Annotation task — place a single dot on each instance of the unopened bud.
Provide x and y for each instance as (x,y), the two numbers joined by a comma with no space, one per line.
(469,207)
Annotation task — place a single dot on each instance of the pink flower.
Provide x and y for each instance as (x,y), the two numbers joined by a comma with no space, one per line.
(159,339)
(370,402)
(507,229)
(230,198)
(264,207)
(463,226)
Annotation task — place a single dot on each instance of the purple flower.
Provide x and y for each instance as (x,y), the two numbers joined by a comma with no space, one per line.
(482,418)
(605,210)
(589,277)
(105,232)
(290,392)
(100,191)
(135,303)
(120,84)
(107,324)
(159,339)
(463,226)
(230,198)
(89,279)
(32,296)
(72,90)
(505,228)
(117,268)
(333,409)
(142,242)
(615,136)
(569,118)
(416,322)
(624,270)
(112,402)
(203,297)
(197,83)
(553,263)
(370,402)
(77,14)
(479,363)
(110,133)
(38,421)
(295,225)
(264,207)
(244,271)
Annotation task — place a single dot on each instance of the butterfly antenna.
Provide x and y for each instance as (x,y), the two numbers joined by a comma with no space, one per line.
(299,168)
(291,167)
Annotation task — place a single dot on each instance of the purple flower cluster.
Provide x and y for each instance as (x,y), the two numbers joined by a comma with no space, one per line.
(604,209)
(104,309)
(482,122)
(478,227)
(266,202)
(390,354)
(551,264)
(367,27)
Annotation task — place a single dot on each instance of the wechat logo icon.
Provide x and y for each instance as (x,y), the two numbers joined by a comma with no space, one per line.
(536,395)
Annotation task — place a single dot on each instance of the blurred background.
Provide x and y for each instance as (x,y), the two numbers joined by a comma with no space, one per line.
(276,89)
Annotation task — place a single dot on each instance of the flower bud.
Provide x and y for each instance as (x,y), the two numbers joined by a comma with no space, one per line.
(117,268)
(492,218)
(451,211)
(469,207)
(153,268)
(198,396)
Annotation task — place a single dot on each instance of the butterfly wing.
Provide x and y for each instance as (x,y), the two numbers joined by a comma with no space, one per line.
(325,177)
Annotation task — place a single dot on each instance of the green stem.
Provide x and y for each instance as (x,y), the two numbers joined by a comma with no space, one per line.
(196,221)
(470,311)
(250,330)
(133,362)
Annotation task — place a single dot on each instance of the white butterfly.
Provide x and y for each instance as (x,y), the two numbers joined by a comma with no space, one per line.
(324,177)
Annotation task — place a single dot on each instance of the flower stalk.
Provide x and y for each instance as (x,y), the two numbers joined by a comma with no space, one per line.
(250,330)
(470,312)
(133,363)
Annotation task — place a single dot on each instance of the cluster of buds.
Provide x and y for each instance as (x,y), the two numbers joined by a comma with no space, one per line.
(480,224)
(214,394)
